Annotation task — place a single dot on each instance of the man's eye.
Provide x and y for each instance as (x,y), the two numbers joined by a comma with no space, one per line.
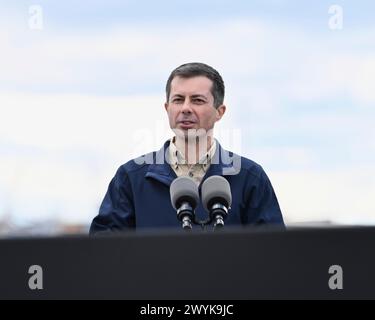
(198,101)
(177,100)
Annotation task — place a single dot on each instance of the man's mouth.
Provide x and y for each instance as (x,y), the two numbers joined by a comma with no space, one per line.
(186,124)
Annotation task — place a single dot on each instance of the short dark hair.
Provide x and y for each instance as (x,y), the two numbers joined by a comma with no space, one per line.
(194,69)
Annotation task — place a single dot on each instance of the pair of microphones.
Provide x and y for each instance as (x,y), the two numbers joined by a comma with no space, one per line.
(216,200)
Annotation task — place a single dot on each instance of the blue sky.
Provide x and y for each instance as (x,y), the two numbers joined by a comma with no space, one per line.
(96,14)
(85,94)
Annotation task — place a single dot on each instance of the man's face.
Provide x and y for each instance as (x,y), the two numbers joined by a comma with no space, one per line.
(191,104)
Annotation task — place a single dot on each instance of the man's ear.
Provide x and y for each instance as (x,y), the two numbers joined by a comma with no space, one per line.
(220,112)
(166,105)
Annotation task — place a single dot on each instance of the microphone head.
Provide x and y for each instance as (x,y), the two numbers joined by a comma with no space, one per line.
(216,189)
(184,189)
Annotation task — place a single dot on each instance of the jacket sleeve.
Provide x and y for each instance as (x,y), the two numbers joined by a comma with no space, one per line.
(117,209)
(262,205)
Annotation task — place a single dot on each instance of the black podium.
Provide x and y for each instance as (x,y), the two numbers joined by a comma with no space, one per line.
(230,264)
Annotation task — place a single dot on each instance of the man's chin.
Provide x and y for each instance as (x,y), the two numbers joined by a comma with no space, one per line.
(190,133)
(182,130)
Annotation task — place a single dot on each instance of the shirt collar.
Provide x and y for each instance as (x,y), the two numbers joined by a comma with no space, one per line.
(223,163)
(177,158)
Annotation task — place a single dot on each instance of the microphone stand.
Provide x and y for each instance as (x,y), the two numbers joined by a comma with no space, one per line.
(186,215)
(218,213)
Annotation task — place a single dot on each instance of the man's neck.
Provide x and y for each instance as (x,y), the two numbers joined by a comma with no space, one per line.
(194,149)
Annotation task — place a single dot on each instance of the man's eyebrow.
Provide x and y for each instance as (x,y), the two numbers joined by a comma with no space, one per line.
(199,96)
(177,96)
(194,96)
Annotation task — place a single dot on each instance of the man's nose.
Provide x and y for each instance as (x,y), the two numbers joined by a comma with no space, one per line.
(186,107)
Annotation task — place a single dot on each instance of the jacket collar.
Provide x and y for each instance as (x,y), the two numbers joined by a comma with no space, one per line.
(223,163)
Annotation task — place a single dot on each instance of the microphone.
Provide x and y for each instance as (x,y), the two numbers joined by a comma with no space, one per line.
(184,197)
(216,199)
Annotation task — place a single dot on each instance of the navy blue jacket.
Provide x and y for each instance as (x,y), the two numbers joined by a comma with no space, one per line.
(138,195)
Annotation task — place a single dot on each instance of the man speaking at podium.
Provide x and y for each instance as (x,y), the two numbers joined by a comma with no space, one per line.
(138,195)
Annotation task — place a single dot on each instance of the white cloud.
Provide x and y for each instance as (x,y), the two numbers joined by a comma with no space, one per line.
(335,74)
(291,157)
(338,196)
(288,62)
(66,121)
